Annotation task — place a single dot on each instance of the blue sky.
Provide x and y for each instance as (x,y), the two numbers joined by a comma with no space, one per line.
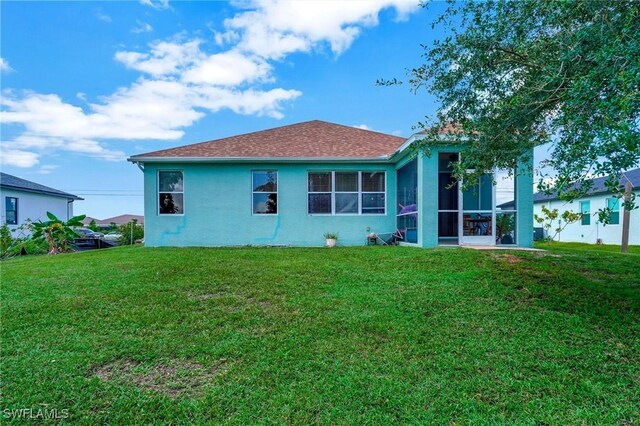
(86,84)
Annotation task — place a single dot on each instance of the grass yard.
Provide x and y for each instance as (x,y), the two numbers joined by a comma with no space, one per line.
(366,335)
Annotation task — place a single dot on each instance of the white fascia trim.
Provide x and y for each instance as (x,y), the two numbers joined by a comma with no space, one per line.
(381,159)
(416,137)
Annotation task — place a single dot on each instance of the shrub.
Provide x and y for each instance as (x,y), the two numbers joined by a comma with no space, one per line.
(127,230)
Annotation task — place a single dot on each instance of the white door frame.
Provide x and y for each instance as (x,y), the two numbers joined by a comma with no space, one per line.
(484,240)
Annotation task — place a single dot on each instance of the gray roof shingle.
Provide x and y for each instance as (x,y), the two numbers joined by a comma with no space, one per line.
(632,175)
(14,182)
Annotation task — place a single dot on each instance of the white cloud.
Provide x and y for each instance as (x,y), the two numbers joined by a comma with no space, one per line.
(25,150)
(181,82)
(45,169)
(186,61)
(4,65)
(18,157)
(228,69)
(103,17)
(142,27)
(248,102)
(275,28)
(156,4)
(164,58)
(363,127)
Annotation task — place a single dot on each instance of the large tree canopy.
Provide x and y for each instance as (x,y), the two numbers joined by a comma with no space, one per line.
(517,74)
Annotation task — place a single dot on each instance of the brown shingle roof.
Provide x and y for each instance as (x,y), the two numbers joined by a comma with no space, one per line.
(310,139)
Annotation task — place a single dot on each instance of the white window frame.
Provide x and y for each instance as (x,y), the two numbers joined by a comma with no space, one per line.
(331,193)
(158,192)
(360,192)
(384,193)
(588,213)
(6,220)
(513,210)
(606,205)
(253,192)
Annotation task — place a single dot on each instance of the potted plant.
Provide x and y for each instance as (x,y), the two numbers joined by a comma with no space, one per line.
(504,228)
(331,239)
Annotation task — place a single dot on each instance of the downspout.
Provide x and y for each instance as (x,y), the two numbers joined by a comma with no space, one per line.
(69,203)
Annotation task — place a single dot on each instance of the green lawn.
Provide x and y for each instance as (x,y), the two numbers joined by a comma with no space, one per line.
(366,335)
(555,246)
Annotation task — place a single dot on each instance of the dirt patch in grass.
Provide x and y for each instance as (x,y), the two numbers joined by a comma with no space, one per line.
(206,296)
(174,379)
(511,259)
(262,303)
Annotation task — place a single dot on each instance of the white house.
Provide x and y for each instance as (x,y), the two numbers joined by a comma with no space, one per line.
(23,199)
(589,229)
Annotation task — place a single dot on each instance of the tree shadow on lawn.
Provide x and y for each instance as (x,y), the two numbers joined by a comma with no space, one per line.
(590,286)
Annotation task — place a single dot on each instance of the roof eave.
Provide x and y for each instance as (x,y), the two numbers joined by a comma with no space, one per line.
(418,136)
(35,191)
(144,159)
(590,194)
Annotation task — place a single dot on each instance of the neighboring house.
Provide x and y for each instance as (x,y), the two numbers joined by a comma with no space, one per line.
(118,220)
(589,229)
(23,199)
(291,184)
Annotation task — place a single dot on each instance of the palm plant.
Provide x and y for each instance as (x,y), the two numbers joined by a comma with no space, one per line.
(57,233)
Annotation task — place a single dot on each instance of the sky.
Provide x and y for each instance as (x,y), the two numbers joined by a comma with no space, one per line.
(87,84)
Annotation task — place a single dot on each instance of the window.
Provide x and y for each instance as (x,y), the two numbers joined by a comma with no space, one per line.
(11,210)
(170,192)
(320,189)
(346,192)
(265,192)
(585,209)
(373,192)
(614,205)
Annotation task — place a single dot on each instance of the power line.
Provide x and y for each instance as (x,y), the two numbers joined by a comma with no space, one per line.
(109,195)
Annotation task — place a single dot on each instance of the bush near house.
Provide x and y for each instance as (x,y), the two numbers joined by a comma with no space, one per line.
(11,245)
(131,232)
(362,335)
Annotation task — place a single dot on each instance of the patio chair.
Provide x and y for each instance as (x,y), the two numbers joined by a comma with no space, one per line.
(390,238)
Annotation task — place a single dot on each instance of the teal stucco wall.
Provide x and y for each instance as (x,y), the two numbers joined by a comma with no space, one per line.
(218,208)
(218,205)
(524,203)
(428,197)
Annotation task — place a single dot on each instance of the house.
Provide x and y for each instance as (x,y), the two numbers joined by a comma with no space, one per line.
(290,185)
(24,200)
(589,229)
(122,219)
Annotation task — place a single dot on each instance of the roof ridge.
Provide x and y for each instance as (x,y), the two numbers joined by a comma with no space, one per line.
(228,137)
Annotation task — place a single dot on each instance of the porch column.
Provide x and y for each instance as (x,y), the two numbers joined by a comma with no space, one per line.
(428,200)
(524,201)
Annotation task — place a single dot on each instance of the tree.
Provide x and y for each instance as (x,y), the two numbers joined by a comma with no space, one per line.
(513,75)
(549,217)
(93,226)
(56,233)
